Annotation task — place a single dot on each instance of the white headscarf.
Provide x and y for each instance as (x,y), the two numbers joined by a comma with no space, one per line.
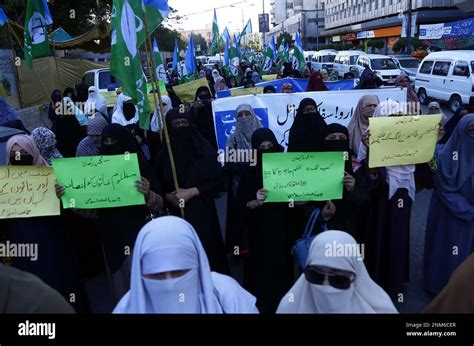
(167,105)
(444,118)
(171,244)
(215,74)
(398,177)
(95,101)
(364,295)
(118,117)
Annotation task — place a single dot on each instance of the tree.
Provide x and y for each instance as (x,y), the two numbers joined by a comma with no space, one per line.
(166,37)
(199,40)
(401,44)
(284,35)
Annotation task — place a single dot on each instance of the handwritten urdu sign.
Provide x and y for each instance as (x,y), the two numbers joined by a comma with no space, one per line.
(301,177)
(406,140)
(99,181)
(27,191)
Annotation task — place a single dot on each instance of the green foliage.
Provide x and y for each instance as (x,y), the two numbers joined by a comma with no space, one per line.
(401,44)
(199,40)
(286,36)
(166,37)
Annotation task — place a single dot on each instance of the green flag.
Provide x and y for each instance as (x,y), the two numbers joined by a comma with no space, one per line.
(267,61)
(233,62)
(125,58)
(36,31)
(216,40)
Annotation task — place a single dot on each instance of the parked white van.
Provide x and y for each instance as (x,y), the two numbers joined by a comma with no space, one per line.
(447,76)
(323,59)
(308,55)
(100,78)
(384,66)
(345,62)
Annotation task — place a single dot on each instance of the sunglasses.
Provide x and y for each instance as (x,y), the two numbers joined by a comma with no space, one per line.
(314,276)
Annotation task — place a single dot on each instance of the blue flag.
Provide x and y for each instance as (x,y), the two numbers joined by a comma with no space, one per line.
(226,35)
(226,53)
(175,54)
(47,15)
(3,17)
(160,5)
(273,47)
(190,68)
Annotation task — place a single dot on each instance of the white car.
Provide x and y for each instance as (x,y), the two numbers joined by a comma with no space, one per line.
(384,66)
(447,76)
(407,64)
(323,60)
(345,63)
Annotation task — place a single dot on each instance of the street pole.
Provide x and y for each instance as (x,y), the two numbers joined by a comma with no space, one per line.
(408,33)
(264,43)
(317,25)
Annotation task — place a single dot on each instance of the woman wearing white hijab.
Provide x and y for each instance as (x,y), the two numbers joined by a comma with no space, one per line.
(215,74)
(126,113)
(157,124)
(95,103)
(333,283)
(171,274)
(388,235)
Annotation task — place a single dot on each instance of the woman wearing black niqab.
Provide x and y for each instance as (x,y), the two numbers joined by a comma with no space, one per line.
(199,175)
(352,210)
(120,226)
(268,270)
(305,133)
(202,115)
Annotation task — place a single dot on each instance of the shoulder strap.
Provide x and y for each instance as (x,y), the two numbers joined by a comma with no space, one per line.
(311,222)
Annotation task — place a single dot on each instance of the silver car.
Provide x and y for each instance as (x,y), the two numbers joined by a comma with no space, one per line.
(407,64)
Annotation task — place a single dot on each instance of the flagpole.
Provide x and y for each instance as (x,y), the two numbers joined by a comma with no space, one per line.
(50,37)
(159,102)
(159,115)
(17,78)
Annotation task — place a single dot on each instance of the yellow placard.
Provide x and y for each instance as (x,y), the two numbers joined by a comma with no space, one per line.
(248,91)
(406,140)
(187,91)
(269,77)
(110,98)
(3,92)
(27,191)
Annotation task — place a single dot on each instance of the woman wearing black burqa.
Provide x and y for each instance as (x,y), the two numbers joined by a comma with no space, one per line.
(352,210)
(268,270)
(305,136)
(305,133)
(199,175)
(203,117)
(67,129)
(119,226)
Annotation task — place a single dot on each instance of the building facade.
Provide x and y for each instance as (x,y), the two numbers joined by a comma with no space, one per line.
(358,21)
(303,16)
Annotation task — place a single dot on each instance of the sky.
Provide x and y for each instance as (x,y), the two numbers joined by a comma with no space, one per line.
(226,15)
